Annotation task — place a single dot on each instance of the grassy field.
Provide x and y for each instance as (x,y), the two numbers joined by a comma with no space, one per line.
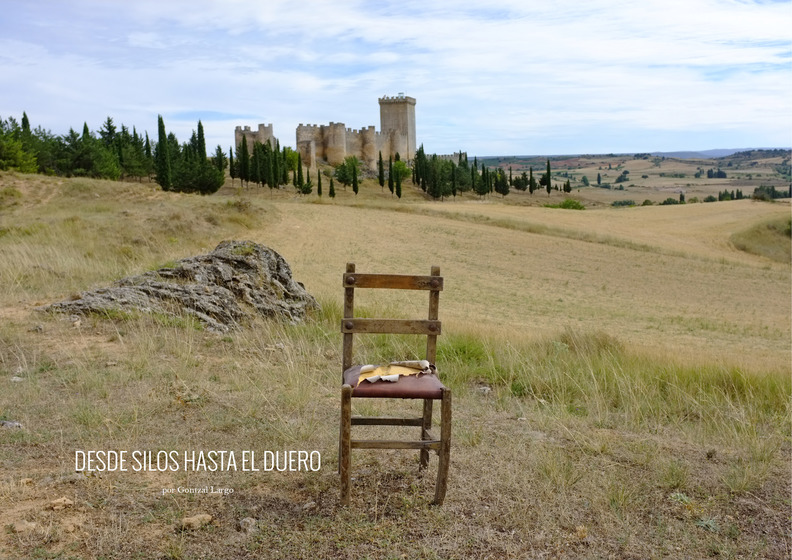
(621,377)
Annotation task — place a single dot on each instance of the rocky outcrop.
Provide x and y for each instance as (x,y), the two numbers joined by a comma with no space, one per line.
(238,281)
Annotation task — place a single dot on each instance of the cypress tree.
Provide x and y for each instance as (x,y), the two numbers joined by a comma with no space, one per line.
(318,182)
(163,162)
(284,168)
(354,179)
(548,186)
(332,188)
(390,175)
(276,172)
(231,168)
(300,181)
(531,181)
(269,165)
(149,158)
(398,185)
(381,171)
(255,164)
(201,142)
(244,160)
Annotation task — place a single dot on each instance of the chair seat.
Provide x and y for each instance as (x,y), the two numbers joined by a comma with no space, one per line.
(425,386)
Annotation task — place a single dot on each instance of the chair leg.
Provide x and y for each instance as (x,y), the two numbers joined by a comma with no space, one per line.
(427,425)
(445,447)
(345,446)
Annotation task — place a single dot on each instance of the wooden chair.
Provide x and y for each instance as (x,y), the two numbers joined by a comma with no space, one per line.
(425,387)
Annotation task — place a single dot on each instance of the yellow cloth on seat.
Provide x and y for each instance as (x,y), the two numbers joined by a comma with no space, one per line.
(390,369)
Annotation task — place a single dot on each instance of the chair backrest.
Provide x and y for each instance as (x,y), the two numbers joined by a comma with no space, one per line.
(350,325)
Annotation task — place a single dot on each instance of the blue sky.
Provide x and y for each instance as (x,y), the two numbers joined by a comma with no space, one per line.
(500,77)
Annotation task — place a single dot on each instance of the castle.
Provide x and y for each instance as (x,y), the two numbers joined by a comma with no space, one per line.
(333,142)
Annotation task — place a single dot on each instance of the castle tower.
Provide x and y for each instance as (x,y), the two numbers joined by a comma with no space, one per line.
(397,121)
(263,135)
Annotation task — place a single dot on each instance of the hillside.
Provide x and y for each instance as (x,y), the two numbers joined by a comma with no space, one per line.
(621,377)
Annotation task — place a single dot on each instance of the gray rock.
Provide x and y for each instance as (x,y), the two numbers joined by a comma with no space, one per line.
(249,525)
(235,283)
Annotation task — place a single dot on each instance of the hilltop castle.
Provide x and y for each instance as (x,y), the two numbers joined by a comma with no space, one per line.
(333,142)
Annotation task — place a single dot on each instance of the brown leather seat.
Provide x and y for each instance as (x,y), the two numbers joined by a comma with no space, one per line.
(426,386)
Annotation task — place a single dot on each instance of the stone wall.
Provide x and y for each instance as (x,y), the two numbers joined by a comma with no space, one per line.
(264,134)
(333,142)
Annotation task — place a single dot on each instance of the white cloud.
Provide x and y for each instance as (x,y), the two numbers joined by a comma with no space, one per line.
(507,76)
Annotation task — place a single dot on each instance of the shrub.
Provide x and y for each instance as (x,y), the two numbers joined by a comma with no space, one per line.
(568,204)
(619,203)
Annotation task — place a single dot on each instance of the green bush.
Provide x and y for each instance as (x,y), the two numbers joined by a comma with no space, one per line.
(568,204)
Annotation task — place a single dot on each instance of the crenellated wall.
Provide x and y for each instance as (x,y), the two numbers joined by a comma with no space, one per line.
(333,142)
(264,134)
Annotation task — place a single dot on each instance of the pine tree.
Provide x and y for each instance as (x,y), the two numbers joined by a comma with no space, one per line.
(108,132)
(220,160)
(25,124)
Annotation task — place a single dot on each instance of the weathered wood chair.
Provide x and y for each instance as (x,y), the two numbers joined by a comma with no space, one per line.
(425,387)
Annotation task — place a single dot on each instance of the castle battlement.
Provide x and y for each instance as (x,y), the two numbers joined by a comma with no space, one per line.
(401,98)
(335,141)
(263,135)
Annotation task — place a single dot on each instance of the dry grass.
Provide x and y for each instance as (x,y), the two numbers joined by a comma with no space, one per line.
(636,367)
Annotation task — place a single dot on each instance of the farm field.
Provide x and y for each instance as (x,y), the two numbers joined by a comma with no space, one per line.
(621,375)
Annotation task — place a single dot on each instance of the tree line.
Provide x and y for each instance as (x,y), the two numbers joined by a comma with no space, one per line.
(117,153)
(112,153)
(441,177)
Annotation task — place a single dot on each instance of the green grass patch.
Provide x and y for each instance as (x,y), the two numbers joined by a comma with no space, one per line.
(770,239)
(568,204)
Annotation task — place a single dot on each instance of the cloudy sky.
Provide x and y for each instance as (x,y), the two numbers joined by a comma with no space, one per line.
(500,77)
